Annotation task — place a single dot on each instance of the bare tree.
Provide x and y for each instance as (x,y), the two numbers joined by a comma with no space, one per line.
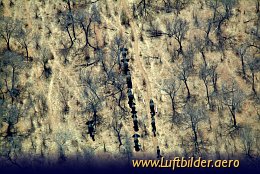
(257,6)
(177,29)
(116,48)
(65,51)
(8,29)
(154,29)
(117,126)
(184,74)
(247,137)
(81,18)
(204,74)
(188,56)
(71,18)
(143,8)
(193,115)
(128,148)
(171,87)
(200,45)
(65,20)
(11,148)
(61,138)
(232,98)
(24,38)
(10,116)
(15,62)
(253,65)
(175,5)
(241,51)
(214,77)
(64,100)
(45,56)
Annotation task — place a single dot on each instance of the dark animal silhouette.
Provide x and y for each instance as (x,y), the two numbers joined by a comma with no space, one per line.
(124,51)
(133,110)
(126,69)
(130,95)
(91,129)
(152,107)
(158,152)
(153,126)
(129,81)
(136,142)
(135,123)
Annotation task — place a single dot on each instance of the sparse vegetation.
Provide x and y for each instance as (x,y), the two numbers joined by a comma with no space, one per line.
(84,79)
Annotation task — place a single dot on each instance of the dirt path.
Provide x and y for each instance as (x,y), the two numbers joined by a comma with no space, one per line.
(138,63)
(7,11)
(53,120)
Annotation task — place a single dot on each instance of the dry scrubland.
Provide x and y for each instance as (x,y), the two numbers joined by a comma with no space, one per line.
(61,66)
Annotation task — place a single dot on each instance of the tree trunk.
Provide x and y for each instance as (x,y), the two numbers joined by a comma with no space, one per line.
(85,32)
(71,40)
(253,83)
(233,113)
(180,51)
(243,67)
(196,144)
(8,44)
(27,52)
(72,18)
(204,58)
(173,107)
(207,91)
(188,90)
(118,137)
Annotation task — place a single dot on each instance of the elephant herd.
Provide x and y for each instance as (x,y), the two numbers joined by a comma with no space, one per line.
(132,105)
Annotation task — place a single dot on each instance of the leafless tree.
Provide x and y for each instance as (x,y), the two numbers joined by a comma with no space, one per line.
(65,52)
(175,5)
(11,148)
(208,27)
(204,75)
(214,77)
(84,19)
(184,74)
(188,56)
(45,55)
(193,115)
(232,98)
(64,100)
(200,45)
(61,138)
(257,6)
(154,29)
(71,18)
(247,138)
(15,62)
(128,148)
(143,8)
(96,13)
(171,87)
(64,20)
(24,38)
(253,65)
(36,39)
(117,126)
(8,29)
(119,85)
(118,43)
(241,51)
(124,19)
(177,29)
(10,116)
